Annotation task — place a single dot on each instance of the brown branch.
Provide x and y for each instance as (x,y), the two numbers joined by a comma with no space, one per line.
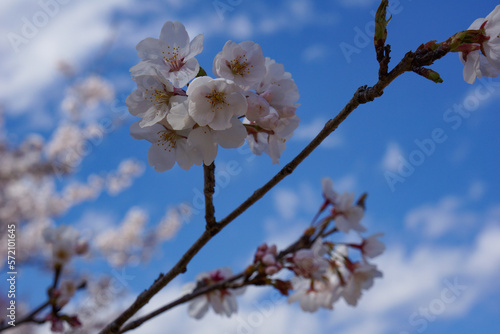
(364,94)
(209,175)
(30,317)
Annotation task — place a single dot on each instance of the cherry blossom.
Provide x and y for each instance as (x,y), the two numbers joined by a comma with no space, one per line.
(57,322)
(271,141)
(361,278)
(309,262)
(279,89)
(348,216)
(372,247)
(153,98)
(65,292)
(222,301)
(258,107)
(86,95)
(329,194)
(168,146)
(271,117)
(267,257)
(214,102)
(242,63)
(172,54)
(483,59)
(313,294)
(66,243)
(205,141)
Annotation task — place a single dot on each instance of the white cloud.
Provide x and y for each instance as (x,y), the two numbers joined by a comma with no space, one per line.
(345,184)
(477,190)
(72,34)
(286,202)
(436,220)
(241,27)
(481,95)
(357,3)
(304,198)
(392,157)
(315,52)
(291,15)
(302,9)
(487,253)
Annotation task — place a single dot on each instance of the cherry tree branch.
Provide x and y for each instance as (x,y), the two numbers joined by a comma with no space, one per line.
(209,174)
(28,318)
(412,61)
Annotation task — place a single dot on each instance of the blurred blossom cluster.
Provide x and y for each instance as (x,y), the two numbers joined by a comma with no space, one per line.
(130,242)
(40,181)
(86,95)
(251,97)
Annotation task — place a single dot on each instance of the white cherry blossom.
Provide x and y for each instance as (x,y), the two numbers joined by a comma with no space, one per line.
(361,278)
(172,54)
(348,215)
(310,263)
(271,114)
(153,98)
(372,247)
(168,146)
(66,243)
(476,63)
(214,102)
(65,292)
(272,142)
(223,301)
(313,294)
(242,63)
(279,89)
(329,194)
(205,141)
(258,107)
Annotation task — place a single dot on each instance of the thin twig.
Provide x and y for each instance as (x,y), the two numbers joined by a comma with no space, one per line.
(209,176)
(30,317)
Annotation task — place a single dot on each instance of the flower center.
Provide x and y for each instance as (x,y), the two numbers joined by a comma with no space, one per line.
(167,139)
(216,99)
(239,66)
(157,96)
(173,58)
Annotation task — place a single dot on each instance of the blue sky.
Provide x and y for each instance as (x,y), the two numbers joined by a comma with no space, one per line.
(441,218)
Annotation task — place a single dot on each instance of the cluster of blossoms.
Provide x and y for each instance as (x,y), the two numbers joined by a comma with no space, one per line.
(131,243)
(66,242)
(481,51)
(84,96)
(323,272)
(251,97)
